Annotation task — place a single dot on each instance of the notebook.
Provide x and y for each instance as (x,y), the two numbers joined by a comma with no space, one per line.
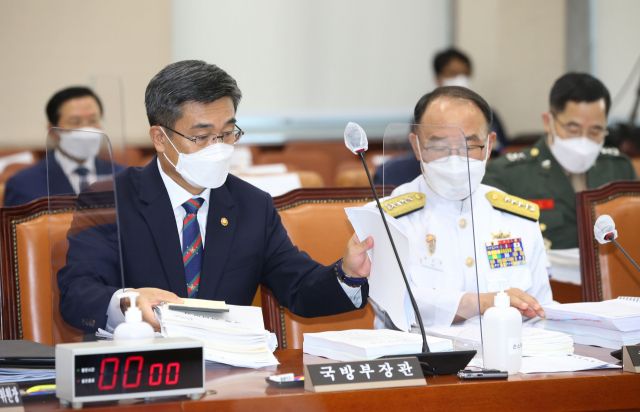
(200,305)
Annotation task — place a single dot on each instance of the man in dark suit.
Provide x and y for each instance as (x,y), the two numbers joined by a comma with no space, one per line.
(73,165)
(188,229)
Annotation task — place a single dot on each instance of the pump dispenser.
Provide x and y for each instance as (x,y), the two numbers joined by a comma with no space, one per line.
(133,326)
(502,337)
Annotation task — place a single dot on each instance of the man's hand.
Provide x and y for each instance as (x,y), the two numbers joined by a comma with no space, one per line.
(525,303)
(356,262)
(150,298)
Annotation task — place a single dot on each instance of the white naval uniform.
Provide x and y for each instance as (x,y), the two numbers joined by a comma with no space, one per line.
(438,282)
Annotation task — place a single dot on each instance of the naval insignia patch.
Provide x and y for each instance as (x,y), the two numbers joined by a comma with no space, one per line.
(505,253)
(404,204)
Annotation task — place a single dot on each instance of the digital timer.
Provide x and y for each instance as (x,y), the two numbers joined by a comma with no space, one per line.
(100,371)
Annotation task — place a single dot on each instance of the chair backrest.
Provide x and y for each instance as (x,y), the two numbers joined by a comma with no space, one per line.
(312,217)
(29,297)
(606,272)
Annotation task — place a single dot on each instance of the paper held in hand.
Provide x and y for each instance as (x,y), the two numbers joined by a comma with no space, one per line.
(386,285)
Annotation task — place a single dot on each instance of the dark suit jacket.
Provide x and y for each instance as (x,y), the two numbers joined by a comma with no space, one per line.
(31,183)
(252,249)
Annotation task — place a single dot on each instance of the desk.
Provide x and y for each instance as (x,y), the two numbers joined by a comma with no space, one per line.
(245,390)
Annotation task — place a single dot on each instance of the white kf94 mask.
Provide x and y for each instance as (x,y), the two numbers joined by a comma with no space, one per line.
(205,169)
(80,144)
(575,154)
(450,179)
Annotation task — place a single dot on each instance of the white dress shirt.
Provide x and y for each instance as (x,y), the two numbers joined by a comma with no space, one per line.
(439,280)
(69,167)
(177,196)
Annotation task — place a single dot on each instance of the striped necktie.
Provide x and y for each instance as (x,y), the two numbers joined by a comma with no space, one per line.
(83,172)
(192,245)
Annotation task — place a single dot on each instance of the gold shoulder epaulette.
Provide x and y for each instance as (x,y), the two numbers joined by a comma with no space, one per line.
(404,204)
(514,205)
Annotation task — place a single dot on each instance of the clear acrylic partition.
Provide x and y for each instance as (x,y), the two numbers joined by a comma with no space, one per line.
(110,89)
(83,228)
(444,250)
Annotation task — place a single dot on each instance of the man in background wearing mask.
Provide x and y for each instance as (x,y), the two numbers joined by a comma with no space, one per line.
(443,262)
(452,68)
(568,159)
(189,229)
(73,165)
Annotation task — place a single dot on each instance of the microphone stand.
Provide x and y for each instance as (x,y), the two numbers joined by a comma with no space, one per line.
(623,251)
(433,363)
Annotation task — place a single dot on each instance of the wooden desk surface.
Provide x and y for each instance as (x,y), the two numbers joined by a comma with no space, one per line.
(246,390)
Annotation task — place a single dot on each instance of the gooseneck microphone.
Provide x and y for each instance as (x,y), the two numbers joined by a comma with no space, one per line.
(605,232)
(439,363)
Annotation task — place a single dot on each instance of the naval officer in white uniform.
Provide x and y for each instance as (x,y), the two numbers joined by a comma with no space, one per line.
(435,209)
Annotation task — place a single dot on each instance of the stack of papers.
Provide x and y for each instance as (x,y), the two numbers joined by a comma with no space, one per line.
(236,338)
(552,364)
(535,342)
(362,344)
(9,375)
(610,324)
(565,265)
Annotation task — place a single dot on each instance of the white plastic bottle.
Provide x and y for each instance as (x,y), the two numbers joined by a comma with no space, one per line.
(502,335)
(133,327)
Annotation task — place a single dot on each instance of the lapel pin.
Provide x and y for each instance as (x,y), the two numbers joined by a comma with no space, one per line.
(224,221)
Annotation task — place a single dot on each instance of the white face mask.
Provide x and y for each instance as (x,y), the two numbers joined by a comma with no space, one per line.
(460,80)
(204,169)
(575,154)
(82,143)
(450,179)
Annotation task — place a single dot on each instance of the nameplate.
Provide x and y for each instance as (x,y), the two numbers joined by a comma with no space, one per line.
(10,398)
(631,358)
(371,374)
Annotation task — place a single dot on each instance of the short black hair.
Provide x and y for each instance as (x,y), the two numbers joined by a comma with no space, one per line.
(577,87)
(453,92)
(58,99)
(444,57)
(183,82)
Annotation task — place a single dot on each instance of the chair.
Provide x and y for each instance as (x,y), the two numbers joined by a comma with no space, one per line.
(311,216)
(28,294)
(606,272)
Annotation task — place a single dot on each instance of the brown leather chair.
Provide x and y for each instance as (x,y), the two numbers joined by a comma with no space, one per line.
(311,217)
(606,272)
(33,238)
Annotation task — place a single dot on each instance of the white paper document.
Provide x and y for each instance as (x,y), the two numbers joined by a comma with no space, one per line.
(236,338)
(9,375)
(616,314)
(570,363)
(386,285)
(364,344)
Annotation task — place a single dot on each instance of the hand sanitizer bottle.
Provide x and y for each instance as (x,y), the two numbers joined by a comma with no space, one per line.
(502,334)
(133,326)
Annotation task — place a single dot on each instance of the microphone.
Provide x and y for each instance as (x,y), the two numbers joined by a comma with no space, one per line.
(605,232)
(439,363)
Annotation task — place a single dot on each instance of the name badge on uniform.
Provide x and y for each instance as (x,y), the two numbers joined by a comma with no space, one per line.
(505,253)
(432,263)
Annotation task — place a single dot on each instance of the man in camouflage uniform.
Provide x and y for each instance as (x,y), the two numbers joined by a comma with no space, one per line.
(568,159)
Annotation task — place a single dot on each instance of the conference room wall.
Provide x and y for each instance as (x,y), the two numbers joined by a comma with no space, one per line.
(48,45)
(328,57)
(615,48)
(518,51)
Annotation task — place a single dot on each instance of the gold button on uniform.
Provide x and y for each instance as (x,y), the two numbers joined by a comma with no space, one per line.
(224,221)
(543,227)
(534,152)
(469,262)
(463,223)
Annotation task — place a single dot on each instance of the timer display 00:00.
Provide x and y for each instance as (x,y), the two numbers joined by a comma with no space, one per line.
(138,372)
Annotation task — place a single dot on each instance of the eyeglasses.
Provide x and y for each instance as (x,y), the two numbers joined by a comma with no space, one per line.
(594,133)
(439,154)
(205,140)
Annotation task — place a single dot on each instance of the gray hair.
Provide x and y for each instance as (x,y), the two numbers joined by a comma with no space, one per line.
(183,82)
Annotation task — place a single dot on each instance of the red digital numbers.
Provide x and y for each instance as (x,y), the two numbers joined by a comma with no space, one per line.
(116,363)
(152,372)
(173,381)
(155,373)
(126,371)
